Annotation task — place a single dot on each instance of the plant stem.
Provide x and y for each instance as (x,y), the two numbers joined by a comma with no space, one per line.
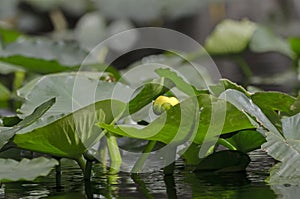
(58,174)
(140,162)
(245,68)
(114,153)
(81,162)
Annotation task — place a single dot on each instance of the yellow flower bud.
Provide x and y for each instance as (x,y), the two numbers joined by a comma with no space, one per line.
(163,103)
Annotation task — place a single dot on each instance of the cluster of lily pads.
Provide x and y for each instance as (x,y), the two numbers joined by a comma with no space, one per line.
(57,118)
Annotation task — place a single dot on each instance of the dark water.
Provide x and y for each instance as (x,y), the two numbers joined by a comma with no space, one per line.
(183,184)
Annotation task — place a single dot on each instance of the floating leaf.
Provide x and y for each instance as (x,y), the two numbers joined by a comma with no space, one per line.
(224,161)
(230,37)
(26,170)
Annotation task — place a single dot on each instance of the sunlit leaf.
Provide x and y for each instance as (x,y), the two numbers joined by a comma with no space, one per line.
(71,135)
(230,37)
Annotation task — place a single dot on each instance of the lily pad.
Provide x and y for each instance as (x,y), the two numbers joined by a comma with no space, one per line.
(224,161)
(25,170)
(43,56)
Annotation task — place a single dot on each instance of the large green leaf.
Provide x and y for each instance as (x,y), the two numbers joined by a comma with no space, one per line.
(72,91)
(219,117)
(163,129)
(273,102)
(245,104)
(224,161)
(285,148)
(28,170)
(230,37)
(265,40)
(43,56)
(246,141)
(175,125)
(7,133)
(69,136)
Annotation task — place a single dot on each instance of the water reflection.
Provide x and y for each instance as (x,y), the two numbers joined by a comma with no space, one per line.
(182,184)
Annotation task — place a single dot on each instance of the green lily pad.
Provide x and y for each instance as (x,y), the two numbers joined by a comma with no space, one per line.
(25,170)
(224,161)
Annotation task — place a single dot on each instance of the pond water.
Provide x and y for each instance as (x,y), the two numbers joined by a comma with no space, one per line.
(183,184)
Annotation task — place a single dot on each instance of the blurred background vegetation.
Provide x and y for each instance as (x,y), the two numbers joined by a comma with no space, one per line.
(270,63)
